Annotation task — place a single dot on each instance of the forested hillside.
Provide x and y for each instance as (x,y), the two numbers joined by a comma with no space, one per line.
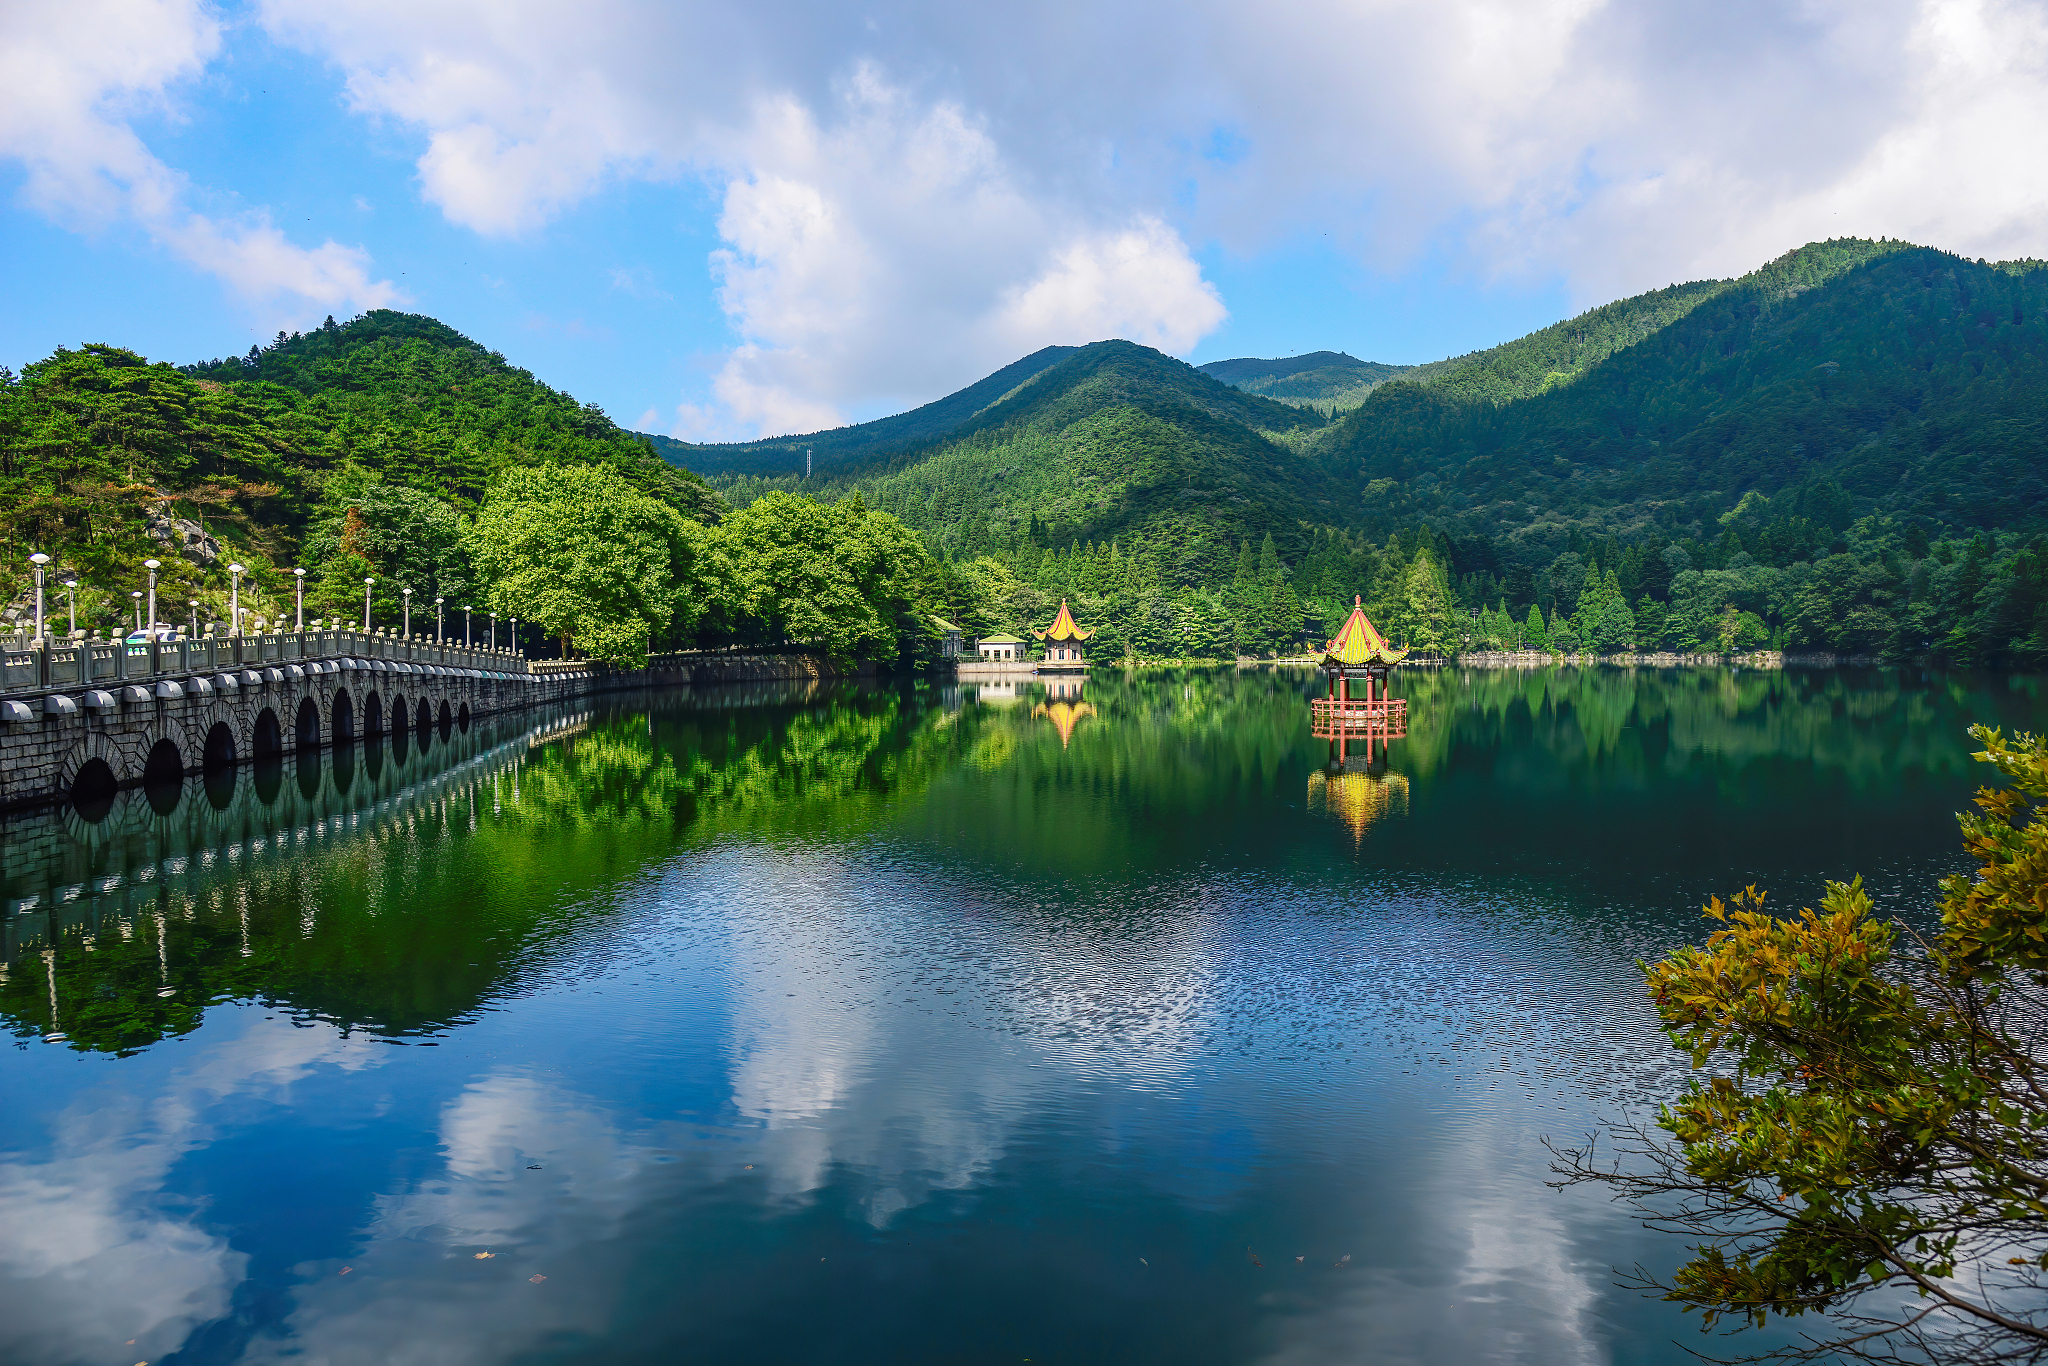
(1326,381)
(1842,450)
(267,454)
(394,449)
(1116,441)
(1911,379)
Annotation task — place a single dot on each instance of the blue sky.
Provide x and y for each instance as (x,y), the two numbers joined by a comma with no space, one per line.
(722,221)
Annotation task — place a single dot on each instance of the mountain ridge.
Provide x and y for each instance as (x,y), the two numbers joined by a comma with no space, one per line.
(837,445)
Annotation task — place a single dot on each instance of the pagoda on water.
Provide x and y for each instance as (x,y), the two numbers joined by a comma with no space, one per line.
(1062,644)
(1358,709)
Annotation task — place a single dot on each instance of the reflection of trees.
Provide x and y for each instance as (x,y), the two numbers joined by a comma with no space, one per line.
(402,907)
(1160,742)
(1867,726)
(398,895)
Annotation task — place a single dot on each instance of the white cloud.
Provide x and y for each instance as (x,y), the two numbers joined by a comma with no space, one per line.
(93,1257)
(71,77)
(894,251)
(916,192)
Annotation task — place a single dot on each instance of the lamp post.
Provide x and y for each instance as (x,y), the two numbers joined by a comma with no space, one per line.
(152,566)
(515,635)
(439,638)
(465,628)
(136,596)
(366,602)
(406,630)
(300,576)
(193,603)
(235,571)
(40,561)
(71,601)
(494,630)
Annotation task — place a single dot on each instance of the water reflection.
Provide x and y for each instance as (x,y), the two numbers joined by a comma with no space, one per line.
(884,1024)
(1358,799)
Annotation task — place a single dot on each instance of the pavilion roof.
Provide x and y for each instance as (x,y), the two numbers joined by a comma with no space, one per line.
(999,640)
(1360,642)
(1063,627)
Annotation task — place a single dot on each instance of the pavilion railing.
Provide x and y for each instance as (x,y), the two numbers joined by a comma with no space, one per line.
(1354,715)
(30,667)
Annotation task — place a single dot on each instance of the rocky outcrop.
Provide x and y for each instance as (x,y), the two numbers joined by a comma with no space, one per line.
(183,537)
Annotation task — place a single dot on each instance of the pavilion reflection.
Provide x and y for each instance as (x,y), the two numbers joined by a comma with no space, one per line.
(1358,797)
(1064,706)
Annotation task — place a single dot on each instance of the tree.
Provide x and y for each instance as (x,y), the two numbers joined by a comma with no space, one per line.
(836,576)
(1868,1138)
(399,535)
(1424,615)
(581,553)
(1603,621)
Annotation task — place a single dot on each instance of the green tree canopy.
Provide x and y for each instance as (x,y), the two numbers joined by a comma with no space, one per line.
(1868,1138)
(580,552)
(836,576)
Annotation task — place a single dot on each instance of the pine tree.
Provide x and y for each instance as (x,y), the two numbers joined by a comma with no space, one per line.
(1426,615)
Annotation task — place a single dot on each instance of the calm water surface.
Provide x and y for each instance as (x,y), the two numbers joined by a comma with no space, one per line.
(909,1025)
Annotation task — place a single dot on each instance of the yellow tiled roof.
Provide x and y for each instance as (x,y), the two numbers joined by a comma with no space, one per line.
(1360,642)
(1062,627)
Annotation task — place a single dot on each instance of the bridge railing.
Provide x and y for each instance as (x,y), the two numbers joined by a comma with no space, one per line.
(26,666)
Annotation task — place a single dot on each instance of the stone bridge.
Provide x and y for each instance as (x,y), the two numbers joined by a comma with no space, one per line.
(82,720)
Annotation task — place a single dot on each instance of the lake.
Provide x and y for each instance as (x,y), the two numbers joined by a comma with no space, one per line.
(912,1023)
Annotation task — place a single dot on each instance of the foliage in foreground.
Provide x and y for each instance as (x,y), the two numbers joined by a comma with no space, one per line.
(1871,1143)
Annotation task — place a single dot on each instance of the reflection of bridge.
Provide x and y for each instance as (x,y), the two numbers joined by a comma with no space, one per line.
(68,875)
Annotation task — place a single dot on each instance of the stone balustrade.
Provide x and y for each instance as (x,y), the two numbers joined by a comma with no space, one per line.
(26,667)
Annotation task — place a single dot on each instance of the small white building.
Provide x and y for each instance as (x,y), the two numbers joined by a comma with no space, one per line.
(1005,648)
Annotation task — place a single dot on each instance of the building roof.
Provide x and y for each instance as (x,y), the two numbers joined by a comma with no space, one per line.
(999,640)
(1063,627)
(1360,642)
(945,625)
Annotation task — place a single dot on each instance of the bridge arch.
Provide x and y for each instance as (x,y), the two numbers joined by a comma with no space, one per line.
(444,720)
(342,725)
(219,750)
(373,715)
(92,790)
(266,737)
(94,746)
(163,776)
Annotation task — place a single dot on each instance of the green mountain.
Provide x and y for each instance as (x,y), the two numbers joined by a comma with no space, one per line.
(107,458)
(785,454)
(1330,381)
(1900,379)
(1842,450)
(1112,442)
(1326,381)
